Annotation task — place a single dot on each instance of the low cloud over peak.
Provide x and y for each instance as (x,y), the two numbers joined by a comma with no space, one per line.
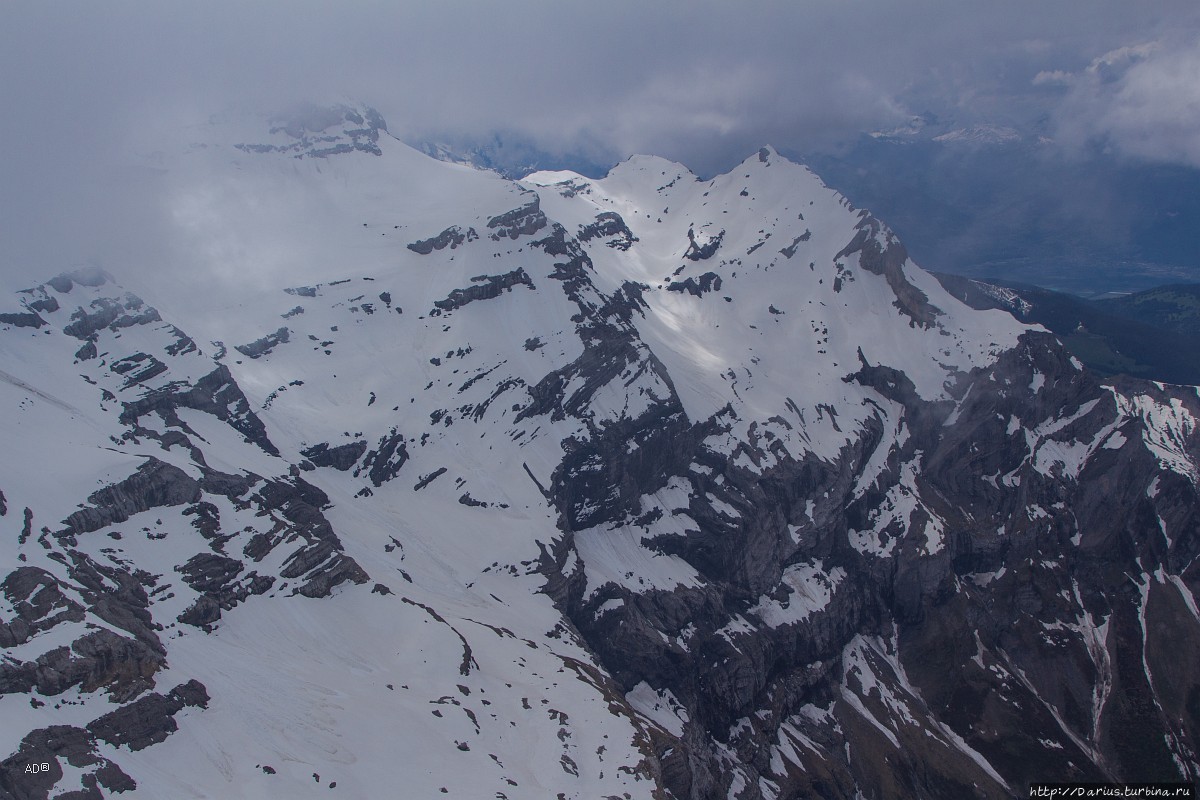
(704,84)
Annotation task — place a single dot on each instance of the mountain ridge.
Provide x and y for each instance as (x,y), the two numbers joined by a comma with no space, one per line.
(644,484)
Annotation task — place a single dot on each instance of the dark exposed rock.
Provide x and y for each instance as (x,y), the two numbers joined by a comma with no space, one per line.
(384,462)
(466,500)
(700,252)
(526,220)
(56,746)
(112,314)
(790,250)
(97,660)
(202,613)
(626,301)
(207,519)
(137,368)
(261,347)
(150,719)
(323,567)
(608,225)
(485,288)
(302,291)
(887,259)
(38,602)
(452,237)
(428,479)
(155,484)
(231,486)
(342,457)
(27,319)
(45,303)
(87,351)
(217,393)
(708,282)
(183,343)
(259,545)
(209,573)
(320,562)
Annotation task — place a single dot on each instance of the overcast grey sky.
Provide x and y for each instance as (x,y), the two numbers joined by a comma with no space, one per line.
(700,82)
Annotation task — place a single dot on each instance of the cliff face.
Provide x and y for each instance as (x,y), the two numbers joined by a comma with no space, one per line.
(661,488)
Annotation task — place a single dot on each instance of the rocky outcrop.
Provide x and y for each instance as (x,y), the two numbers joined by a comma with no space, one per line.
(221,585)
(27,319)
(384,461)
(881,253)
(319,565)
(217,393)
(324,131)
(524,221)
(790,250)
(98,660)
(59,746)
(708,282)
(136,368)
(486,287)
(110,313)
(155,484)
(608,225)
(150,719)
(341,457)
(452,237)
(261,347)
(700,249)
(39,603)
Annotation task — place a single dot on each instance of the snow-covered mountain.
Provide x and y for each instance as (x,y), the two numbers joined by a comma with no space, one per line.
(643,486)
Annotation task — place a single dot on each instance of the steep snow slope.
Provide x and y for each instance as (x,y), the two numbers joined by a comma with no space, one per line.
(785,302)
(642,486)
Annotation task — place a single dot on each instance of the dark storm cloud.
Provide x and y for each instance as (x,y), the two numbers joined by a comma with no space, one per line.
(87,85)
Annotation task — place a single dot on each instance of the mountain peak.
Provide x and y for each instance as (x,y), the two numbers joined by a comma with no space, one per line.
(641,162)
(316,131)
(309,118)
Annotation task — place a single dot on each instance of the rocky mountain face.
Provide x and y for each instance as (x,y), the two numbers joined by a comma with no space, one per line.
(643,486)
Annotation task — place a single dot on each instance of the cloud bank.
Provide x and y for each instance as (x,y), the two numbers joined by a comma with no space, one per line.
(1142,100)
(90,88)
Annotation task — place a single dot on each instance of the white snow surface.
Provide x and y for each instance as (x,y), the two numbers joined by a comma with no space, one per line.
(728,346)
